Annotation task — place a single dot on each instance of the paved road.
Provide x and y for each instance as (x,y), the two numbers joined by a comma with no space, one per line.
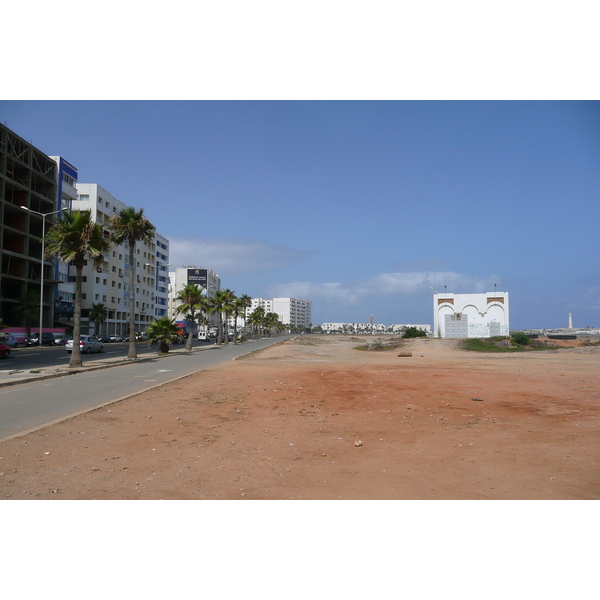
(33,404)
(54,356)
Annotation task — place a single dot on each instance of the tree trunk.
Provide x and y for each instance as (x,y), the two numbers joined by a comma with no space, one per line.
(235,328)
(76,353)
(226,330)
(132,351)
(190,338)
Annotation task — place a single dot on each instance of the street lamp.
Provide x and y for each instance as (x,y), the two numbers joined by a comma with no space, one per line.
(43,215)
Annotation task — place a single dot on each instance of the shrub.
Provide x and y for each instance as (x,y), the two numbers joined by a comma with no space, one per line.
(520,339)
(414,332)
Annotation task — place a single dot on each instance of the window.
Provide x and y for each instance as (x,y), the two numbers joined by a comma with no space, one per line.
(83,197)
(97,279)
(68,179)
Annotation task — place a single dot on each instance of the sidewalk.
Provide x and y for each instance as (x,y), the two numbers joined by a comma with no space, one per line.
(15,376)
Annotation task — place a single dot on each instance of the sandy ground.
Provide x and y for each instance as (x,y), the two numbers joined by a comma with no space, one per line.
(314,418)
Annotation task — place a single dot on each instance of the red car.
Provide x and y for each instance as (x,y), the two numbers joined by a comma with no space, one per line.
(4,351)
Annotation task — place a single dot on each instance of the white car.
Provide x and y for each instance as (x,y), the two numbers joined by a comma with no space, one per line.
(10,340)
(87,344)
(116,338)
(202,336)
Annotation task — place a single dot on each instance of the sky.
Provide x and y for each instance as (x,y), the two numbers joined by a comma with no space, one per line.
(360,207)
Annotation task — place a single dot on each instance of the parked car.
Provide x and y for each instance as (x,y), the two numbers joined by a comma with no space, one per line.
(9,340)
(47,339)
(105,339)
(63,339)
(116,338)
(87,344)
(202,336)
(4,351)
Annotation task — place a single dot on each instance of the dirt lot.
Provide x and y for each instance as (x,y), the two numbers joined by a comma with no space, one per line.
(314,418)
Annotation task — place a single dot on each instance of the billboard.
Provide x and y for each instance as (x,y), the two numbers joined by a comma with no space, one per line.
(198,277)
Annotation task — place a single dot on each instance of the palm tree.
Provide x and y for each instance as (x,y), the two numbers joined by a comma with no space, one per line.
(75,239)
(228,309)
(241,304)
(98,314)
(191,300)
(216,305)
(271,322)
(29,307)
(256,319)
(162,331)
(130,226)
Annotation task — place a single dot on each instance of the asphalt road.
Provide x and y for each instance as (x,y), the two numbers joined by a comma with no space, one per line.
(53,356)
(32,405)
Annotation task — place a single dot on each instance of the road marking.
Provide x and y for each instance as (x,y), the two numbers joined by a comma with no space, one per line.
(150,379)
(165,370)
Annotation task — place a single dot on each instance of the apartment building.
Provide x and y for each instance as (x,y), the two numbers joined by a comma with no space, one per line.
(64,288)
(291,311)
(190,274)
(264,303)
(28,178)
(109,284)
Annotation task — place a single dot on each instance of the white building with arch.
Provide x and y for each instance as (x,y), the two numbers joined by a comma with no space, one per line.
(471,315)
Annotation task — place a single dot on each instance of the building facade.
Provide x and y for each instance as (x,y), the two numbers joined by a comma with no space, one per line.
(28,178)
(471,315)
(264,303)
(64,288)
(202,277)
(109,284)
(291,311)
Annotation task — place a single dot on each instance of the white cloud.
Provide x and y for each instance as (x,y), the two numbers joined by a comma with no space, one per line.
(384,284)
(231,257)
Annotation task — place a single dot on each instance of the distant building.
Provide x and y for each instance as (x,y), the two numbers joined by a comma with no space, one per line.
(186,275)
(266,304)
(471,315)
(372,328)
(291,311)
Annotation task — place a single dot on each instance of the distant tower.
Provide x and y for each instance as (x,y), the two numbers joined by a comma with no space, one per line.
(570,321)
(371,319)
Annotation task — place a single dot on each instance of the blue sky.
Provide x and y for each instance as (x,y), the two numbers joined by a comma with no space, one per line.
(358,206)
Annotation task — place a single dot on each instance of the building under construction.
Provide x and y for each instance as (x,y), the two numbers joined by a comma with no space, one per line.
(28,178)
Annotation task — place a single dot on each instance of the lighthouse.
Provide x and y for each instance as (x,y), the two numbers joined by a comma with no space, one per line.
(570,321)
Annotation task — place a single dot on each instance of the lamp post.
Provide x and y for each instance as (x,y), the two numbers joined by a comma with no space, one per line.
(43,215)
